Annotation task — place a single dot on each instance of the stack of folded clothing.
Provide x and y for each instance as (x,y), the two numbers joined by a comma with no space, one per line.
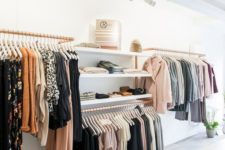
(87,96)
(112,68)
(131,71)
(93,70)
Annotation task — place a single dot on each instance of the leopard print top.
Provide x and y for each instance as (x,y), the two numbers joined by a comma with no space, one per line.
(52,91)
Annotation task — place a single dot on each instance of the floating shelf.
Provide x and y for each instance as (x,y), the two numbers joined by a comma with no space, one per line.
(112,52)
(114,75)
(117,99)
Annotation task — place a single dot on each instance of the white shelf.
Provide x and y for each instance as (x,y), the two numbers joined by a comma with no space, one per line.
(117,99)
(112,52)
(114,75)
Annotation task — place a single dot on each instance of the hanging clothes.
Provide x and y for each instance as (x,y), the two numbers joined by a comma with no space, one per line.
(122,131)
(40,91)
(11,104)
(187,82)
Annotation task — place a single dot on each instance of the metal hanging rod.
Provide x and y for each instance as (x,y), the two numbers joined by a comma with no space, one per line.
(175,51)
(62,39)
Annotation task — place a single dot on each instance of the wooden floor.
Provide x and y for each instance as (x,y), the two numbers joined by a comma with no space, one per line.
(199,142)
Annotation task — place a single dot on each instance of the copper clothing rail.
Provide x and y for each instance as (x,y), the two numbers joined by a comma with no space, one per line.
(174,51)
(62,39)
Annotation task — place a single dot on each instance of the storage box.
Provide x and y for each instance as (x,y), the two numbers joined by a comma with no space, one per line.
(108,33)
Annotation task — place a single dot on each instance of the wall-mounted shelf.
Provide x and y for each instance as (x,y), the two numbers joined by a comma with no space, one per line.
(117,99)
(114,75)
(112,52)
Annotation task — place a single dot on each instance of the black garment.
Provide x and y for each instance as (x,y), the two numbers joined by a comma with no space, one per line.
(6,99)
(61,114)
(1,106)
(135,142)
(132,144)
(89,141)
(75,94)
(84,144)
(147,131)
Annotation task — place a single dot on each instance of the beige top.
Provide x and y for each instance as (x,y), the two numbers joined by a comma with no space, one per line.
(159,85)
(42,106)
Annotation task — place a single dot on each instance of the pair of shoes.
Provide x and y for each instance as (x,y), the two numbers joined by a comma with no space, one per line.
(137,91)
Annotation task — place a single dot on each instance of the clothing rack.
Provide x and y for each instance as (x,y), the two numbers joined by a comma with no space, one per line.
(175,51)
(62,39)
(135,103)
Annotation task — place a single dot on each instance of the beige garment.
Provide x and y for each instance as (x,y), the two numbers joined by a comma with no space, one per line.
(130,71)
(43,113)
(37,81)
(207,87)
(153,145)
(93,70)
(159,85)
(110,142)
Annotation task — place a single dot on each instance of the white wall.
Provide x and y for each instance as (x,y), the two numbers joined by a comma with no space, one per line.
(166,25)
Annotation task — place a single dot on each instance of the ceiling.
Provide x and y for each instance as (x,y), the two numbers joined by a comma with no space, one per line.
(213,8)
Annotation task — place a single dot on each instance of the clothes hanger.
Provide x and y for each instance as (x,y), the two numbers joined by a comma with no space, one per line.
(64,49)
(3,49)
(12,48)
(98,131)
(7,48)
(17,49)
(57,46)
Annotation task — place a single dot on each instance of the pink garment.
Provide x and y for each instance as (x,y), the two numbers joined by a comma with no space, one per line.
(159,85)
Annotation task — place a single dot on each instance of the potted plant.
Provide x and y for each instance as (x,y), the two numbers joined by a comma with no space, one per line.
(210,124)
(211,128)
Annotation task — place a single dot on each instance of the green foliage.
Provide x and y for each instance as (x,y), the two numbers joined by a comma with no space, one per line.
(211,125)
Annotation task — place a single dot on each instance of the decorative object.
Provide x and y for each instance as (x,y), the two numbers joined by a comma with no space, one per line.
(136,46)
(108,33)
(210,124)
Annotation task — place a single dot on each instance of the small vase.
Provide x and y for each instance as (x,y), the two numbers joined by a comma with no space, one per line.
(211,133)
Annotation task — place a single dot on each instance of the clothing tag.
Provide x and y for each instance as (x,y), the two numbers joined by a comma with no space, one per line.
(105,122)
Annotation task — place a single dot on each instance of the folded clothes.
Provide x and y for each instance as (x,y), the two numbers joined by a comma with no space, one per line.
(87,96)
(111,67)
(127,71)
(90,45)
(93,70)
(101,96)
